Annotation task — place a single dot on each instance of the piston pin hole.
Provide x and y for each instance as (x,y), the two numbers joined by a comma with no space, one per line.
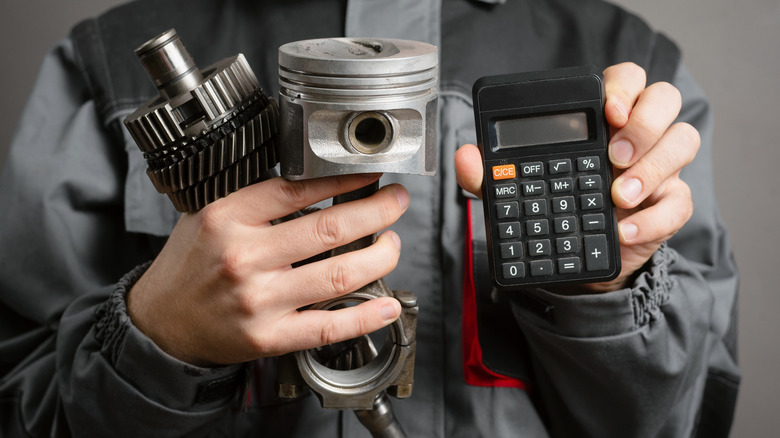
(370,132)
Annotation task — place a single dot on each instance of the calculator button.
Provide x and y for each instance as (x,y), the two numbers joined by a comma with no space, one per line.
(504,191)
(537,227)
(531,169)
(511,250)
(539,247)
(564,204)
(586,164)
(593,222)
(561,185)
(567,245)
(590,182)
(505,171)
(596,253)
(569,265)
(509,230)
(592,202)
(513,270)
(541,268)
(535,207)
(559,166)
(566,224)
(507,210)
(533,188)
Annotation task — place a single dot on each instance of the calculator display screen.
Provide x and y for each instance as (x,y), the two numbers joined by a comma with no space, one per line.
(538,130)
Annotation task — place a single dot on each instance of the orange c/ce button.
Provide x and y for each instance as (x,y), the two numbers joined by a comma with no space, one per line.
(506,171)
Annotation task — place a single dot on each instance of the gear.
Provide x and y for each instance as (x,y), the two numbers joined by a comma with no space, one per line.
(209,132)
(218,149)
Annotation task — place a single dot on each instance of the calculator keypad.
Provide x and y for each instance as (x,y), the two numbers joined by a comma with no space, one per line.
(553,221)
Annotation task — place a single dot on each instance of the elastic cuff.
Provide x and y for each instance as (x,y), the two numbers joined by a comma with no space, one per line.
(112,320)
(153,372)
(604,314)
(651,288)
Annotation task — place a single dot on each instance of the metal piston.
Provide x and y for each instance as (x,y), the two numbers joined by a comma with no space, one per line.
(358,105)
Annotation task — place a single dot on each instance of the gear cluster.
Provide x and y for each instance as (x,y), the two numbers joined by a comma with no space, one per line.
(210,132)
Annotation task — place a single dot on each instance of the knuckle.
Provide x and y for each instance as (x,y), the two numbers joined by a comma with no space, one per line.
(629,68)
(233,265)
(329,229)
(294,193)
(687,207)
(632,67)
(246,303)
(264,343)
(690,138)
(329,332)
(668,91)
(654,171)
(341,279)
(644,124)
(213,218)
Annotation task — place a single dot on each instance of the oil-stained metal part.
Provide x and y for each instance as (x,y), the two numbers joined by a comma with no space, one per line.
(352,374)
(210,132)
(392,368)
(380,421)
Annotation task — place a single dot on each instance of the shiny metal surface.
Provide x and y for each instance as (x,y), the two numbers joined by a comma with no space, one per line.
(210,132)
(354,105)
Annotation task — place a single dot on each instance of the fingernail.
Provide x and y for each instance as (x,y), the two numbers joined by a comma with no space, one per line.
(630,189)
(621,152)
(628,231)
(621,109)
(396,240)
(388,312)
(403,198)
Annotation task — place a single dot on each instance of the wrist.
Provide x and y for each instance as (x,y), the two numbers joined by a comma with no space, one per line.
(154,372)
(158,323)
(586,315)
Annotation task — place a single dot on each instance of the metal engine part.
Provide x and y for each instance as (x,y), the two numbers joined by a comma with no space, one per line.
(350,378)
(355,105)
(210,132)
(347,106)
(359,105)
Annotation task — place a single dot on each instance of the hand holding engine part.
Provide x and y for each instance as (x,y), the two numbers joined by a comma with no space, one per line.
(350,110)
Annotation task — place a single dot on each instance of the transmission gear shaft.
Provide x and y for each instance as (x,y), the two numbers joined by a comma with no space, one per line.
(210,132)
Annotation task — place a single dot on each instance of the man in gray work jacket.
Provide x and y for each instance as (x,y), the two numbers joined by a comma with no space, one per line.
(96,342)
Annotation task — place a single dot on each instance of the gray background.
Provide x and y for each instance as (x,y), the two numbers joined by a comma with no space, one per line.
(732,47)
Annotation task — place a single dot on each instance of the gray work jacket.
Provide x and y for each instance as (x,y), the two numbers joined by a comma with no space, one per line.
(79,215)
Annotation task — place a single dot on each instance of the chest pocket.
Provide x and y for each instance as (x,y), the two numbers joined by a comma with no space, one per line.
(146,210)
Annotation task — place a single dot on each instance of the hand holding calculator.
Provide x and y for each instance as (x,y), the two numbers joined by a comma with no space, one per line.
(546,189)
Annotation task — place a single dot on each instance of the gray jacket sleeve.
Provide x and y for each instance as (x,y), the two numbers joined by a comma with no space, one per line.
(635,362)
(71,363)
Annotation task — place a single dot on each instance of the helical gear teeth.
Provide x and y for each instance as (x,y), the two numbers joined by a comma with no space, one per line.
(229,145)
(244,172)
(205,143)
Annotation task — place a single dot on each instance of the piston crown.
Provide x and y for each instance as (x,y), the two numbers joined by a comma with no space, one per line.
(358,56)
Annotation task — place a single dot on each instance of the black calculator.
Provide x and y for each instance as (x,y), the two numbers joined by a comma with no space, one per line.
(546,190)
